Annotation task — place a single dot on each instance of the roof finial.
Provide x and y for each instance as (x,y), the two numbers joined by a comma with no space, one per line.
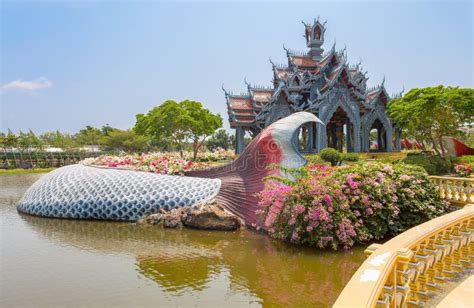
(286,49)
(270,59)
(383,81)
(246,83)
(225,91)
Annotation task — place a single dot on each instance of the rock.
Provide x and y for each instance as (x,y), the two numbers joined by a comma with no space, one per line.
(211,216)
(172,220)
(154,219)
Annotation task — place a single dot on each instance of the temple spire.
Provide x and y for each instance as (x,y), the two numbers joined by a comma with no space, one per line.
(315,38)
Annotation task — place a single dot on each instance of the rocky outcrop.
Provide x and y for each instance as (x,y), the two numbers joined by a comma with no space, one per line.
(211,216)
(205,216)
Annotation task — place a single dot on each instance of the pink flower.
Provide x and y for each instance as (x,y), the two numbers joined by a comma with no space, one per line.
(327,199)
(295,236)
(298,209)
(350,181)
(365,200)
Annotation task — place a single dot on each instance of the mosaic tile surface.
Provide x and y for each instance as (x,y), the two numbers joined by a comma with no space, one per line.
(83,192)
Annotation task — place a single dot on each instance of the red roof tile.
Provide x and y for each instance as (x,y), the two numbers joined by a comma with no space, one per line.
(304,61)
(262,95)
(240,103)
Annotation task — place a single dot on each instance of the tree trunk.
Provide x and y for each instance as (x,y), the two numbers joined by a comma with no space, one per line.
(423,146)
(443,150)
(434,146)
(195,148)
(434,143)
(180,149)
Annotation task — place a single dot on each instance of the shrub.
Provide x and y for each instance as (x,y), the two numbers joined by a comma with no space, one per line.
(314,159)
(433,164)
(338,207)
(463,171)
(467,160)
(330,155)
(351,157)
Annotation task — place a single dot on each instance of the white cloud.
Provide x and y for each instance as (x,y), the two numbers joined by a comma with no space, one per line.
(30,86)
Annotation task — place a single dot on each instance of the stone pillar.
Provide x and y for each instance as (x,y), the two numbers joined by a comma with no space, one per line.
(379,140)
(389,139)
(309,137)
(357,138)
(310,145)
(321,141)
(239,140)
(349,136)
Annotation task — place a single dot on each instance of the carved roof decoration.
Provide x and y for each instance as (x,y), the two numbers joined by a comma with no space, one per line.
(313,74)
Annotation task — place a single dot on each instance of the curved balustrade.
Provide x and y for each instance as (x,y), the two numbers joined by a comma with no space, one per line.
(458,191)
(408,269)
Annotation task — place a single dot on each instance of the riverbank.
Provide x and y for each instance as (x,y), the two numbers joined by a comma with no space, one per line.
(25,171)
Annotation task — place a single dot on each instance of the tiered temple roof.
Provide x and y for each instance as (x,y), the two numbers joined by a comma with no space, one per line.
(304,71)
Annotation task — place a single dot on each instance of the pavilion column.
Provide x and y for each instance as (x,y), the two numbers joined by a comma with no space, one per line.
(321,141)
(379,139)
(349,136)
(389,139)
(239,140)
(309,137)
(356,147)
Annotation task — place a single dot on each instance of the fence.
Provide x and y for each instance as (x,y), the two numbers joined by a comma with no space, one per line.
(41,159)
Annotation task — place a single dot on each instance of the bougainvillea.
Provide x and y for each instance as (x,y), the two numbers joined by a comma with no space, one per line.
(462,170)
(338,207)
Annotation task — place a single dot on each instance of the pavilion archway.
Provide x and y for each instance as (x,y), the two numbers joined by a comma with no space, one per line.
(342,127)
(307,137)
(376,133)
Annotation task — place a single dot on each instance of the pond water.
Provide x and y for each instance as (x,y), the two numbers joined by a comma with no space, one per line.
(55,262)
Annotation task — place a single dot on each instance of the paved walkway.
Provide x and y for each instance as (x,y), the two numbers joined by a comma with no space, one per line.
(461,296)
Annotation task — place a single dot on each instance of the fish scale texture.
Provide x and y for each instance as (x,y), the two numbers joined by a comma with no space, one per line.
(84,192)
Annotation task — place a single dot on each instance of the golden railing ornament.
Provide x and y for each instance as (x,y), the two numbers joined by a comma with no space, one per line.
(408,269)
(458,191)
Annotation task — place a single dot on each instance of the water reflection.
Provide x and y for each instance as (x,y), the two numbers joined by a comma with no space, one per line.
(184,261)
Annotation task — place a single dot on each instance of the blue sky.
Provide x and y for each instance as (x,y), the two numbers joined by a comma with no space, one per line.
(65,65)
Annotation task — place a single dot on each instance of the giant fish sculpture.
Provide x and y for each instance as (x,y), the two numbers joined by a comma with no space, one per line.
(88,192)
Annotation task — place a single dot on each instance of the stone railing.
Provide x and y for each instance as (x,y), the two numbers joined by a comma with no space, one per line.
(458,191)
(408,269)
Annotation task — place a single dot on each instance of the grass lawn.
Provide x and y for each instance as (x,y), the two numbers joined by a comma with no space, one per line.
(25,171)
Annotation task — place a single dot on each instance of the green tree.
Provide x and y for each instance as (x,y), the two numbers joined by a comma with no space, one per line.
(9,140)
(59,140)
(429,114)
(220,139)
(26,141)
(203,123)
(90,136)
(178,123)
(125,140)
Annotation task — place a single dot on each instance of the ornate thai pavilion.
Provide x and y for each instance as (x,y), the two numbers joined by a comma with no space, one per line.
(324,84)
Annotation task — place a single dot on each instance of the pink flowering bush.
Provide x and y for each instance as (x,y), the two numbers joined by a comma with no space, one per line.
(338,207)
(155,162)
(463,171)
